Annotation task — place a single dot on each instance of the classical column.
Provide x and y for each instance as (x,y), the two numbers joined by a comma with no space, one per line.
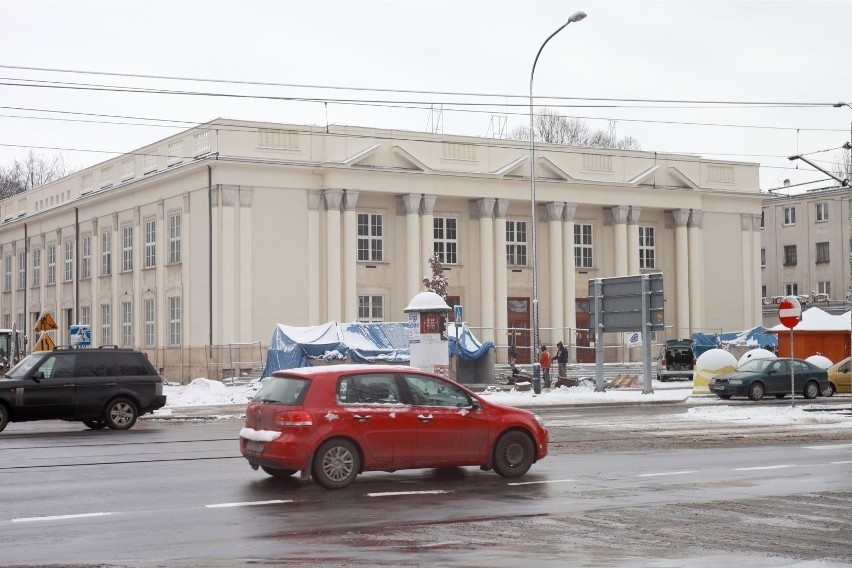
(350,256)
(569,275)
(681,219)
(633,240)
(554,263)
(485,212)
(757,316)
(411,207)
(314,255)
(244,230)
(427,233)
(695,229)
(747,270)
(501,285)
(334,304)
(619,220)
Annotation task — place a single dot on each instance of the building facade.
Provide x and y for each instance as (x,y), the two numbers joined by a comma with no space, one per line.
(216,234)
(805,248)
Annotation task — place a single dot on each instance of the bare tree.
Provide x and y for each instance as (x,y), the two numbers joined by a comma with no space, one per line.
(33,171)
(554,128)
(842,166)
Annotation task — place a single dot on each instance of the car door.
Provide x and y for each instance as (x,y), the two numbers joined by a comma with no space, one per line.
(96,382)
(777,377)
(370,406)
(450,431)
(53,395)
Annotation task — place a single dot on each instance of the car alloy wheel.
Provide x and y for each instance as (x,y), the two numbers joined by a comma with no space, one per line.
(831,390)
(121,414)
(811,390)
(513,454)
(4,417)
(756,391)
(336,464)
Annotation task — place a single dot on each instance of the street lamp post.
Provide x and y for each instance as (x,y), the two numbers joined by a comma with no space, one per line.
(848,176)
(575,17)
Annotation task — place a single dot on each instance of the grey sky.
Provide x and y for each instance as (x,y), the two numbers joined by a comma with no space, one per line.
(796,52)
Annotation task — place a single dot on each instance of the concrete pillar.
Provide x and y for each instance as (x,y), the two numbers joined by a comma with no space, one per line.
(569,274)
(757,316)
(246,247)
(633,240)
(485,213)
(554,261)
(427,233)
(681,218)
(411,207)
(350,256)
(501,283)
(747,268)
(695,229)
(619,219)
(314,253)
(333,277)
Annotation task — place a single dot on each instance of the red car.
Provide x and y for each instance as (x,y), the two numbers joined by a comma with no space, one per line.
(334,422)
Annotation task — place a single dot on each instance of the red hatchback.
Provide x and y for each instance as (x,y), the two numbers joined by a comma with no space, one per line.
(334,422)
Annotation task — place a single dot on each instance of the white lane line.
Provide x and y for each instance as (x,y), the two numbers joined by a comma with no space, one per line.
(540,482)
(248,503)
(668,473)
(763,467)
(834,447)
(840,463)
(397,493)
(59,517)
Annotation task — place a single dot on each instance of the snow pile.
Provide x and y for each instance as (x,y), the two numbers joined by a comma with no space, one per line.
(582,395)
(815,319)
(204,392)
(756,354)
(820,361)
(763,416)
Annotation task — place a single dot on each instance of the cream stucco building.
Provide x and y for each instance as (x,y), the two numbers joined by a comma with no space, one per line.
(216,234)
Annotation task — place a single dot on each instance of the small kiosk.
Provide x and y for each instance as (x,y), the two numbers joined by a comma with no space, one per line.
(427,313)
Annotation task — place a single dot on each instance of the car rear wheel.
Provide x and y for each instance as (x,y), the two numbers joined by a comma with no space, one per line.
(275,472)
(811,390)
(4,417)
(98,424)
(830,391)
(756,391)
(336,464)
(513,454)
(120,414)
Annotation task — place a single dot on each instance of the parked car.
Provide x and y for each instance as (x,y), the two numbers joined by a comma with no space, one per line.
(98,387)
(840,377)
(676,360)
(760,377)
(334,422)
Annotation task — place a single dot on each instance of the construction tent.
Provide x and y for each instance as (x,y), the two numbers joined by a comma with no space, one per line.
(756,337)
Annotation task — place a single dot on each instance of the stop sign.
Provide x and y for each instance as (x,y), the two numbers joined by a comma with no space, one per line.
(790,311)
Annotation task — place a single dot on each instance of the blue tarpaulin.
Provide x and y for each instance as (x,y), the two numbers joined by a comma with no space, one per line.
(754,337)
(469,348)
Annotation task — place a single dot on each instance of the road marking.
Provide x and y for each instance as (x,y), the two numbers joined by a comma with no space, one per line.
(540,482)
(396,493)
(834,447)
(763,467)
(248,503)
(668,473)
(59,517)
(840,463)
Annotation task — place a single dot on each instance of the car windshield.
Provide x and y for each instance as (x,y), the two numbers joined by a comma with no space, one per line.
(283,390)
(755,365)
(27,364)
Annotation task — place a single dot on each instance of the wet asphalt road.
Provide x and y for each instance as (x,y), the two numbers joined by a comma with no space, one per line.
(655,492)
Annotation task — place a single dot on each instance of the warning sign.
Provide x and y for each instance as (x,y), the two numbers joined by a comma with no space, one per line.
(44,343)
(45,322)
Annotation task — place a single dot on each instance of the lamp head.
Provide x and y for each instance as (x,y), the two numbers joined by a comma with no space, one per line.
(576,17)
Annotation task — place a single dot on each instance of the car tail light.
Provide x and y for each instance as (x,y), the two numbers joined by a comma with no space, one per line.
(293,418)
(663,363)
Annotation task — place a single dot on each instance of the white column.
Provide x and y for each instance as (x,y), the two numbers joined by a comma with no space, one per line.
(411,206)
(633,240)
(485,212)
(427,233)
(116,270)
(334,285)
(245,248)
(350,256)
(757,317)
(569,274)
(619,219)
(501,285)
(747,269)
(314,255)
(681,218)
(554,262)
(696,269)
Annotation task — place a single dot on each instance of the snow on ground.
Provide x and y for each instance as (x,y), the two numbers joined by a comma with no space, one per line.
(767,416)
(205,392)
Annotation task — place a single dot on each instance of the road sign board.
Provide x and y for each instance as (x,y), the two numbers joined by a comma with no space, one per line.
(621,303)
(81,335)
(790,311)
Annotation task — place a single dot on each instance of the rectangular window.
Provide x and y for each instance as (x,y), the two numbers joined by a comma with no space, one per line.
(22,270)
(51,265)
(106,329)
(174,238)
(68,266)
(763,291)
(789,215)
(127,168)
(106,176)
(516,243)
(824,288)
(127,249)
(174,321)
(7,274)
(106,253)
(821,212)
(762,218)
(822,253)
(85,315)
(371,308)
(791,289)
(446,239)
(175,150)
(790,255)
(370,237)
(583,245)
(86,264)
(149,163)
(646,248)
(150,336)
(763,257)
(36,268)
(126,324)
(7,321)
(150,243)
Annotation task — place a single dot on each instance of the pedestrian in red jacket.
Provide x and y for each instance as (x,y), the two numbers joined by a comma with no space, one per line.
(544,361)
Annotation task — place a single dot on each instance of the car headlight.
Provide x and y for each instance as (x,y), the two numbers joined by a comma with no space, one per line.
(735,382)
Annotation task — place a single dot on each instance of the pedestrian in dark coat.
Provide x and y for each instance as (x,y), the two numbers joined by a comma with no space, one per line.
(562,359)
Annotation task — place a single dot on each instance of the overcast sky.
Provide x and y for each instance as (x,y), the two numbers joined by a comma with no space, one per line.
(755,52)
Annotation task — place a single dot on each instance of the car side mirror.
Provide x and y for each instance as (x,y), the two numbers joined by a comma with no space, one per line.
(475,404)
(38,376)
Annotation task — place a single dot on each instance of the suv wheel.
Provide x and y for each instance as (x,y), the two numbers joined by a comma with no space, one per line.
(120,414)
(336,464)
(513,454)
(4,417)
(98,424)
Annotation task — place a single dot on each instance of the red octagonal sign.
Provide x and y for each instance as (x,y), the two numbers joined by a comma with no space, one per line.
(790,311)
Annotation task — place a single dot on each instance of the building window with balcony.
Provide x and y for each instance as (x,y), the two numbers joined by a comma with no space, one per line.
(516,243)
(583,245)
(86,257)
(36,268)
(821,212)
(51,265)
(127,249)
(646,248)
(822,253)
(445,239)
(790,255)
(370,237)
(371,308)
(791,289)
(106,253)
(150,334)
(150,243)
(789,215)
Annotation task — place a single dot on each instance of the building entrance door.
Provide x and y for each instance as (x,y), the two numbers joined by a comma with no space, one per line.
(518,310)
(585,353)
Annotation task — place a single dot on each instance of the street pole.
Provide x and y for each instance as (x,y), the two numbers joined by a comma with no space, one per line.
(575,17)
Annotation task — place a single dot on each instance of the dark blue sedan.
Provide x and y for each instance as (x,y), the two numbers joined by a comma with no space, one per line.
(760,377)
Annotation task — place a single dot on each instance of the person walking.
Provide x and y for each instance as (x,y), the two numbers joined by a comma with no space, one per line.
(544,361)
(561,360)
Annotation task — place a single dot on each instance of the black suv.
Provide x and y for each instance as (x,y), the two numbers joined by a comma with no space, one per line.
(98,387)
